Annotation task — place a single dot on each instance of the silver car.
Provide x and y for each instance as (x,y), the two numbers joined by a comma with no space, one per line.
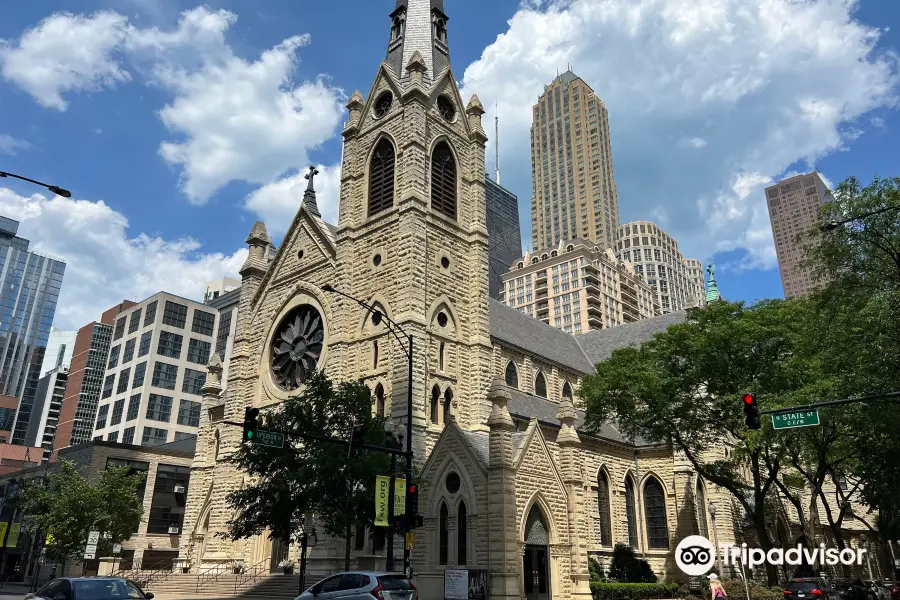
(362,585)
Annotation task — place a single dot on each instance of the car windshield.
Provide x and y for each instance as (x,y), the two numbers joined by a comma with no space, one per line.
(395,582)
(105,589)
(802,586)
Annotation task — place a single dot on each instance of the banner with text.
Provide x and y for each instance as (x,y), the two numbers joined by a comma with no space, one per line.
(382,494)
(13,540)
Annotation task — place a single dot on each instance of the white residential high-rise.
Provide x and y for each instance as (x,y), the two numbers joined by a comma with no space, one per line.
(60,346)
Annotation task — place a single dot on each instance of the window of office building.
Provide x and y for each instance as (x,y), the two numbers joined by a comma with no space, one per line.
(152,436)
(189,413)
(203,322)
(175,314)
(140,370)
(198,351)
(101,416)
(144,348)
(159,408)
(169,495)
(134,321)
(169,344)
(164,375)
(134,406)
(128,353)
(120,328)
(128,435)
(124,375)
(193,381)
(108,384)
(118,410)
(222,334)
(150,315)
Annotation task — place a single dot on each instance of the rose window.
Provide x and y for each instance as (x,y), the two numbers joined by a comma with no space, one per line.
(297,346)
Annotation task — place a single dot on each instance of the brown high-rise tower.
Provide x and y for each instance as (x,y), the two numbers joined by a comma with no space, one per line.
(573,190)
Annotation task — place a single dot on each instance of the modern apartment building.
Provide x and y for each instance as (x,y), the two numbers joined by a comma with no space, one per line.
(504,234)
(794,205)
(60,346)
(578,287)
(157,364)
(79,408)
(656,257)
(227,307)
(45,414)
(573,190)
(8,407)
(30,289)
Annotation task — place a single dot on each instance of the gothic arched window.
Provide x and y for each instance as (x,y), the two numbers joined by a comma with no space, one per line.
(655,515)
(448,404)
(567,390)
(435,398)
(540,385)
(442,355)
(700,508)
(512,375)
(381,177)
(375,354)
(603,509)
(443,180)
(379,401)
(462,534)
(630,513)
(443,535)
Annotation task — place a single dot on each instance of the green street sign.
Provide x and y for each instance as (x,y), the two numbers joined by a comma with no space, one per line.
(261,437)
(803,418)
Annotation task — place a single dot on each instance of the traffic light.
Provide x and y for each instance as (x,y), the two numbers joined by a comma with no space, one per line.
(399,522)
(356,441)
(251,423)
(751,411)
(412,499)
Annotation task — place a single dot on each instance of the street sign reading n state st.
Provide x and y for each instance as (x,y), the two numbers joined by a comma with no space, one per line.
(802,418)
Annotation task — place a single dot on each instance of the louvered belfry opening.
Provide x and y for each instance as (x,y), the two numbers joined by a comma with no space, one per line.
(381,178)
(443,180)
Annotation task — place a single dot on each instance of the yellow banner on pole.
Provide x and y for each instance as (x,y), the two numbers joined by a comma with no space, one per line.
(49,540)
(399,497)
(13,538)
(382,495)
(3,527)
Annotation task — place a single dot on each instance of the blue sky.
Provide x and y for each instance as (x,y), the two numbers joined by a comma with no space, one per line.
(176,124)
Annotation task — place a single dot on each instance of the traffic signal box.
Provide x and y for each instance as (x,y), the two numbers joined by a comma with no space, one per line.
(751,411)
(356,441)
(412,504)
(251,423)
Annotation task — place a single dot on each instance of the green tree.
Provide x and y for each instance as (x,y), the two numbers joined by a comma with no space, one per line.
(312,476)
(683,388)
(67,506)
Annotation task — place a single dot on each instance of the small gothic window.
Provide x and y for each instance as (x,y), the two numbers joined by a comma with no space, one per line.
(435,404)
(540,385)
(461,534)
(440,30)
(379,401)
(448,404)
(567,390)
(396,28)
(442,319)
(655,509)
(375,354)
(453,481)
(443,180)
(446,108)
(443,535)
(630,514)
(383,104)
(603,508)
(512,375)
(442,351)
(381,178)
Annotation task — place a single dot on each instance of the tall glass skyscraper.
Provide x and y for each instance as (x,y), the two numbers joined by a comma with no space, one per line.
(30,289)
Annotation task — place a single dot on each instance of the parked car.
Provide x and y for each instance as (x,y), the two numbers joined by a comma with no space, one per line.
(877,591)
(853,589)
(362,585)
(810,588)
(892,588)
(90,588)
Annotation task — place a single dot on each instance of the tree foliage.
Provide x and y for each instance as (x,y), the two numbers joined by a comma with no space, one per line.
(626,567)
(67,506)
(311,476)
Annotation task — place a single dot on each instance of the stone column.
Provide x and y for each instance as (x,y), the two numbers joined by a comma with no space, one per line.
(503,558)
(570,467)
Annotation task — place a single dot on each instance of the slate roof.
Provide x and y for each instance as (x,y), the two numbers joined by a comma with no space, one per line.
(599,344)
(536,337)
(480,444)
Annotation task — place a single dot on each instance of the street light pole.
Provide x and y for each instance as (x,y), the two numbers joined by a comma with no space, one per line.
(711,507)
(378,317)
(832,225)
(55,189)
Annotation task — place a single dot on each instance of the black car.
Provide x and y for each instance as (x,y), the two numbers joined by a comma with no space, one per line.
(90,588)
(853,589)
(810,588)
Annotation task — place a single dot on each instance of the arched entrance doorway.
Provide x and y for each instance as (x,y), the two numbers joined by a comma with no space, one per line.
(536,561)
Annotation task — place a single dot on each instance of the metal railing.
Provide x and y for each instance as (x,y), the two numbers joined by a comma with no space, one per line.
(145,577)
(251,575)
(212,574)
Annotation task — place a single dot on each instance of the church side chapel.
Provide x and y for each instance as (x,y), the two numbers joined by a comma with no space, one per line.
(511,483)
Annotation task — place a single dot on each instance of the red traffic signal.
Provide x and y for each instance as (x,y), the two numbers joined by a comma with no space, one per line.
(748,399)
(751,411)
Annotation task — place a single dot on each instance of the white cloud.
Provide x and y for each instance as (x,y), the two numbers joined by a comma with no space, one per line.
(235,119)
(278,202)
(66,53)
(750,87)
(12,146)
(103,264)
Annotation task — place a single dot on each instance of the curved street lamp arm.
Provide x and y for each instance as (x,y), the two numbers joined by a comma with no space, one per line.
(55,189)
(392,326)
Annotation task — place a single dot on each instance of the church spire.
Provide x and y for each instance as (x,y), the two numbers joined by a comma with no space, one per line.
(309,196)
(712,289)
(419,26)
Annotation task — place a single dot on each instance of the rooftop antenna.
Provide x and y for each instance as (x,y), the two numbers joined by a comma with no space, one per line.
(496,143)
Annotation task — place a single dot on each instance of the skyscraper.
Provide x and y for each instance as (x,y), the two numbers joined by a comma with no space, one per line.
(794,205)
(504,234)
(573,190)
(30,288)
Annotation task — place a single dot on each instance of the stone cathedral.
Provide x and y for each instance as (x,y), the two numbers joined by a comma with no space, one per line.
(512,484)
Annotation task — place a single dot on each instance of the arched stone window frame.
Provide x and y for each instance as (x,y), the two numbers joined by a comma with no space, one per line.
(379,402)
(700,507)
(655,508)
(462,532)
(435,405)
(443,534)
(604,507)
(567,387)
(448,404)
(631,511)
(511,374)
(441,496)
(373,207)
(444,178)
(540,384)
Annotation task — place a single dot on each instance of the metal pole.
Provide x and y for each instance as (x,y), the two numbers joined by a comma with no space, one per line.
(407,564)
(777,411)
(389,562)
(303,538)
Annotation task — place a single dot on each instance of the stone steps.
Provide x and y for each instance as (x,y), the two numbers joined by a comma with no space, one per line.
(179,586)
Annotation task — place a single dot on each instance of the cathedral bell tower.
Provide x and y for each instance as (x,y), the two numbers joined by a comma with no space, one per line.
(412,234)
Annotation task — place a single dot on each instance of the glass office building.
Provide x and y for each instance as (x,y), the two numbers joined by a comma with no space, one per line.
(30,289)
